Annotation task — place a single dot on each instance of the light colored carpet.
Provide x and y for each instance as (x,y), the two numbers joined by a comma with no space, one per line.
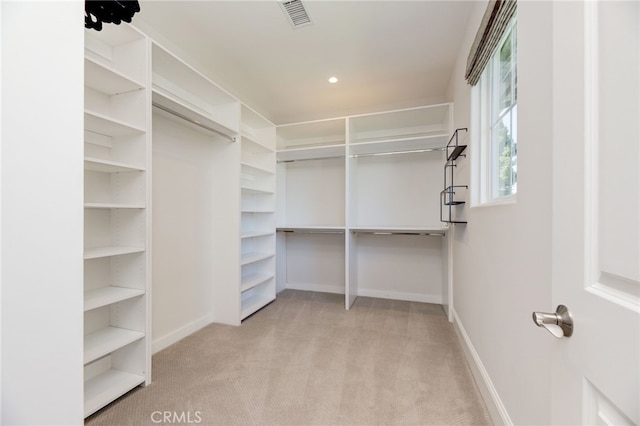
(305,360)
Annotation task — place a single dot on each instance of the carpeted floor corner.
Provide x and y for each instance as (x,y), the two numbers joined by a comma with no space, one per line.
(305,360)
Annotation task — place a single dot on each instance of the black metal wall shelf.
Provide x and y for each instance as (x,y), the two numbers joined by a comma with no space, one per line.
(447,195)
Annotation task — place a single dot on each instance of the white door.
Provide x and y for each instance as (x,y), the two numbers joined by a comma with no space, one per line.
(596,212)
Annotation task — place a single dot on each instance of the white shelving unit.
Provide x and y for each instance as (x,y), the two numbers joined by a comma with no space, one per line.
(257,213)
(311,205)
(184,94)
(395,168)
(356,192)
(117,354)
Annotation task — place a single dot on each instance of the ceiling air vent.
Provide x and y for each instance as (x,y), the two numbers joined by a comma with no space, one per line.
(296,13)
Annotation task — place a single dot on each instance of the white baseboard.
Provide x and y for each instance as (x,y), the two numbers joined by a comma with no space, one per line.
(397,295)
(322,288)
(380,294)
(492,400)
(167,340)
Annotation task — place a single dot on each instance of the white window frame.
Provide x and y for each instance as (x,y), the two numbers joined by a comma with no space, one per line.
(483,94)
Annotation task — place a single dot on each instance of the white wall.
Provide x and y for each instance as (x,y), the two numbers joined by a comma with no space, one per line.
(502,257)
(42,212)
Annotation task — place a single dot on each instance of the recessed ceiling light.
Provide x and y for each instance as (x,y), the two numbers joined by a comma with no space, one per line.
(333,79)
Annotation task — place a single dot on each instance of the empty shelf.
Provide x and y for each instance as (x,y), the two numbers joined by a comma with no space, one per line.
(100,123)
(106,387)
(255,190)
(108,166)
(107,340)
(254,280)
(254,303)
(457,150)
(107,295)
(113,206)
(254,257)
(256,234)
(107,80)
(311,153)
(97,252)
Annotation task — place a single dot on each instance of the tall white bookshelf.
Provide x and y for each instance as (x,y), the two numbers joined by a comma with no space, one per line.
(358,204)
(117,356)
(257,213)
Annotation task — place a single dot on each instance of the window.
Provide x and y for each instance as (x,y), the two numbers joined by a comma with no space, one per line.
(497,117)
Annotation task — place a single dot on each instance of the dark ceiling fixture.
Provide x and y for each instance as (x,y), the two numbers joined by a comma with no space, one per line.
(111,11)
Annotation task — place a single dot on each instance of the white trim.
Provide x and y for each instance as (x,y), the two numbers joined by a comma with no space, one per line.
(179,334)
(492,400)
(508,199)
(591,132)
(397,295)
(322,288)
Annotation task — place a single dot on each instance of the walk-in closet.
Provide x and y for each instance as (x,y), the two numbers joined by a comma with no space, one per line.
(319,212)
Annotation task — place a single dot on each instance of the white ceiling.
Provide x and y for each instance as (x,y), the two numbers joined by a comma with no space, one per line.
(386,54)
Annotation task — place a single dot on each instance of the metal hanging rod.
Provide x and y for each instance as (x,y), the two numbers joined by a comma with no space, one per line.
(412,151)
(310,159)
(433,234)
(192,121)
(310,231)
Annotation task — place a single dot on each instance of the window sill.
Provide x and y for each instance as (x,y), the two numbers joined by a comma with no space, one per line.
(510,199)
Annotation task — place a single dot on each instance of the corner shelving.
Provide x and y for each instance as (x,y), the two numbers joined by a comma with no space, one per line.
(117,355)
(448,199)
(353,193)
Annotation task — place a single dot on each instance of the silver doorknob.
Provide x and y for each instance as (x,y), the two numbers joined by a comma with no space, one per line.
(561,318)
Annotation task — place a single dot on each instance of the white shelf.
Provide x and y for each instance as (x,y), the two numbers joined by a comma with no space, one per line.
(107,295)
(257,168)
(257,211)
(425,121)
(311,153)
(98,252)
(254,303)
(255,234)
(399,144)
(311,134)
(107,340)
(109,126)
(113,206)
(105,79)
(254,257)
(194,115)
(106,387)
(108,166)
(254,280)
(255,190)
(246,137)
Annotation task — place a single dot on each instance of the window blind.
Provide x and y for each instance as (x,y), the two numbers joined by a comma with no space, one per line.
(494,22)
